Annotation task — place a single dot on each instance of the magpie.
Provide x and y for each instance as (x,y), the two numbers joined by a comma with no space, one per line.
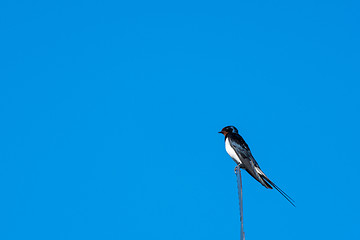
(240,152)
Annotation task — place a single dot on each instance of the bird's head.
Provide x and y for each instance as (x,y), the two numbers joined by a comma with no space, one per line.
(228,129)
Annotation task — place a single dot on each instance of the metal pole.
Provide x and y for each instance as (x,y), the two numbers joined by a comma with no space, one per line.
(239,184)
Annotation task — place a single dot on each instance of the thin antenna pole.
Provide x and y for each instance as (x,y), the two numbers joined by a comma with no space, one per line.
(239,184)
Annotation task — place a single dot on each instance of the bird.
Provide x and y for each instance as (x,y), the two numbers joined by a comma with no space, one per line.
(240,152)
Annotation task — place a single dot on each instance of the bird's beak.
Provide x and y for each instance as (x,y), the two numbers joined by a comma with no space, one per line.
(221,132)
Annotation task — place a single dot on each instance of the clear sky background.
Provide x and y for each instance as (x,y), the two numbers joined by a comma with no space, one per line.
(110,112)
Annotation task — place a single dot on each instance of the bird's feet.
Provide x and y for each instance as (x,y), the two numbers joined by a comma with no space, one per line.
(236,169)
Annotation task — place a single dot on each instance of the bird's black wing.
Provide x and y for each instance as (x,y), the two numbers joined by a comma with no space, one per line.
(250,165)
(244,153)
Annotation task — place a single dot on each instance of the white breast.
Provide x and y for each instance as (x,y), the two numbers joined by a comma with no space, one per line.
(231,152)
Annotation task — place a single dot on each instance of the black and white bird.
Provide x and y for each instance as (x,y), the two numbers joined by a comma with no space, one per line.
(240,152)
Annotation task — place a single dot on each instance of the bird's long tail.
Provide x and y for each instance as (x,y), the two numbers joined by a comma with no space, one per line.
(268,181)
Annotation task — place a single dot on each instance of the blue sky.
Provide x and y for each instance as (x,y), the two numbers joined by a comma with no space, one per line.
(110,113)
